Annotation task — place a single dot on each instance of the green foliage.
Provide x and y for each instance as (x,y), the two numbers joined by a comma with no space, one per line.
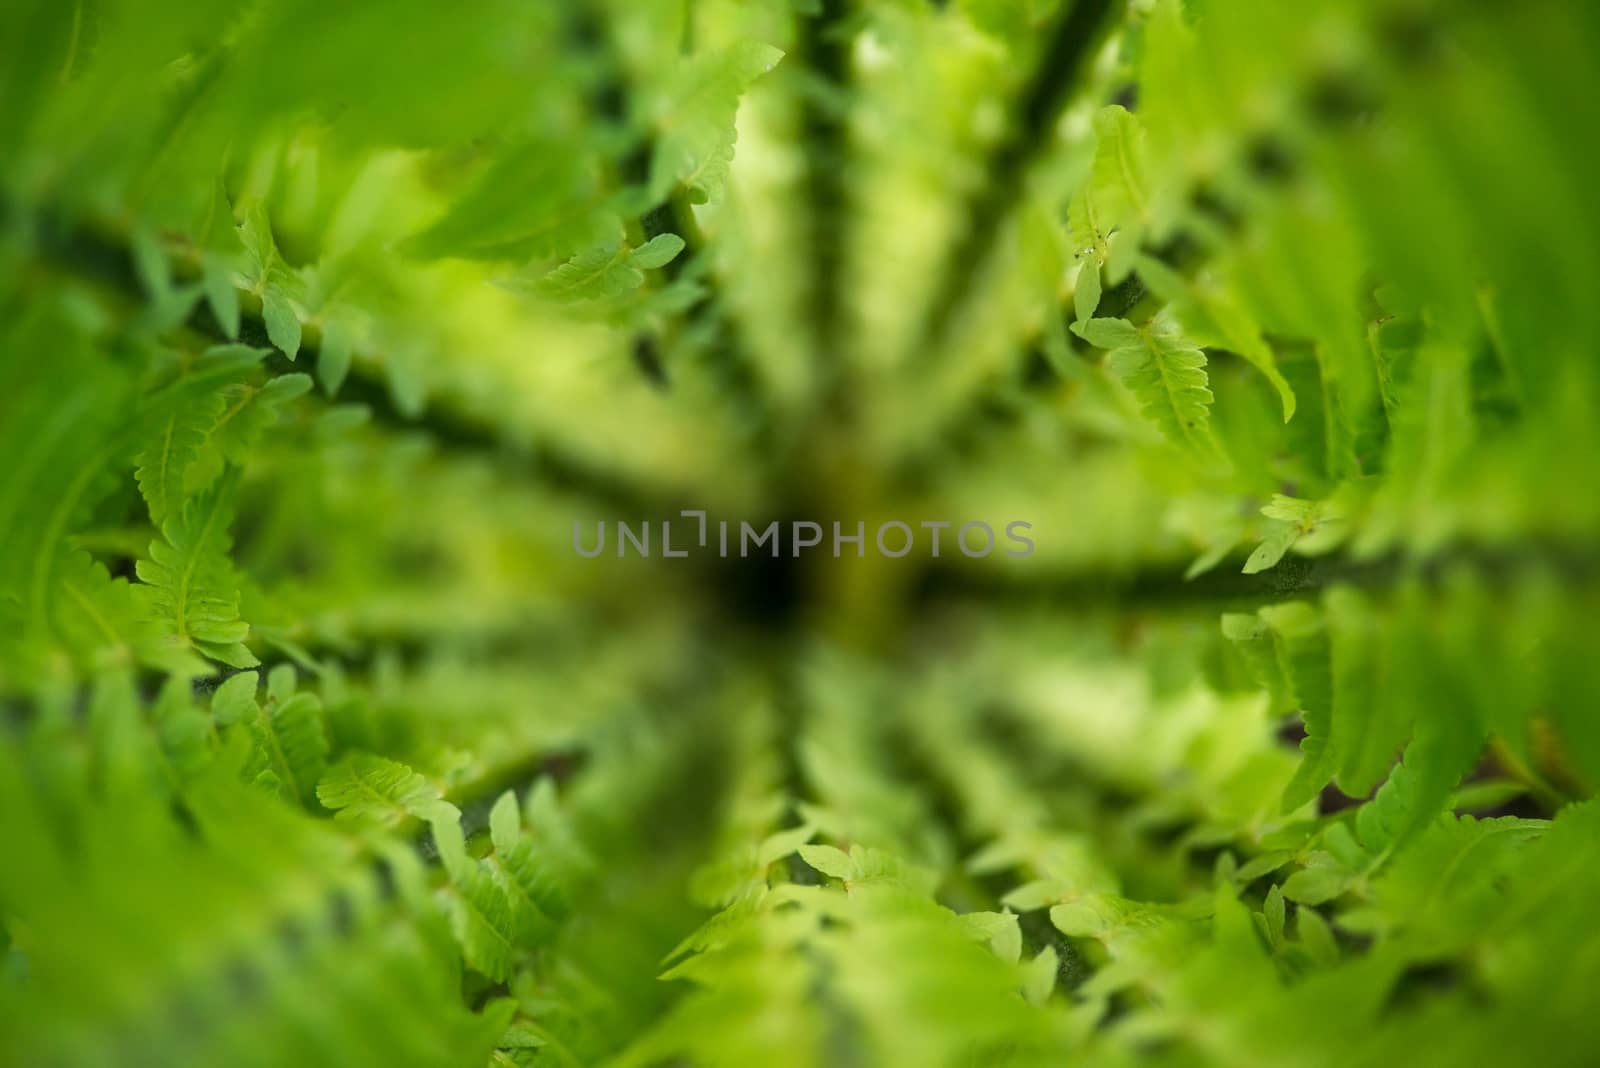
(606,271)
(377,790)
(694,134)
(322,325)
(1165,372)
(190,426)
(188,581)
(271,281)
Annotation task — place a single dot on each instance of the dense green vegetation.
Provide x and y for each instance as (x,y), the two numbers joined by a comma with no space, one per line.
(323,324)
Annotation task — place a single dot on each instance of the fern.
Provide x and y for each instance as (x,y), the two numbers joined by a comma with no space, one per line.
(694,130)
(164,466)
(1166,374)
(606,271)
(291,743)
(384,792)
(189,585)
(323,326)
(272,281)
(1369,724)
(532,201)
(178,429)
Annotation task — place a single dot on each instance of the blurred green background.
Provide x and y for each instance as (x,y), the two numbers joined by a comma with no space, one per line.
(322,326)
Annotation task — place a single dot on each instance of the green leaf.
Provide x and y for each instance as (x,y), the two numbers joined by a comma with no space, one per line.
(485,923)
(505,822)
(1316,936)
(376,790)
(1086,294)
(178,425)
(293,742)
(782,843)
(1265,864)
(1079,920)
(282,681)
(219,240)
(1255,641)
(1167,376)
(595,274)
(185,733)
(1290,509)
(190,586)
(1213,313)
(150,264)
(1369,724)
(333,358)
(283,322)
(830,861)
(1036,894)
(1119,181)
(494,920)
(534,875)
(1280,536)
(125,758)
(216,282)
(101,622)
(251,410)
(1317,885)
(273,280)
(1109,334)
(694,128)
(1441,752)
(657,252)
(1450,862)
(1039,977)
(1274,912)
(235,700)
(999,929)
(1302,644)
(533,200)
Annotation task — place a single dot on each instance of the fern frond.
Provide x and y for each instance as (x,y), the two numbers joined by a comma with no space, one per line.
(604,273)
(189,585)
(373,789)
(1166,373)
(178,422)
(101,620)
(694,139)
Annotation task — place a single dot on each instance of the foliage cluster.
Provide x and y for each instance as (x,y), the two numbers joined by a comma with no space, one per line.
(320,324)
